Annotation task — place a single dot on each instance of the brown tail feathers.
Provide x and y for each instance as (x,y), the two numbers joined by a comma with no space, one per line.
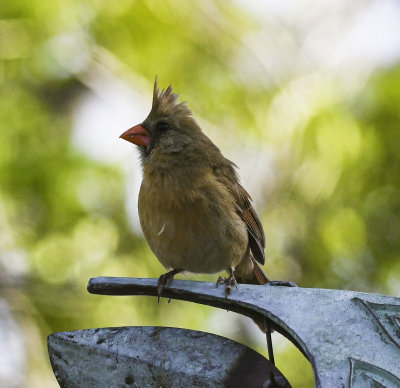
(250,272)
(258,272)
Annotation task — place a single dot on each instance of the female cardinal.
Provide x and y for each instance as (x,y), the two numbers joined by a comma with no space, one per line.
(194,213)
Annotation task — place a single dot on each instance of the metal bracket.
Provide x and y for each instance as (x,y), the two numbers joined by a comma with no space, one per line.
(351,339)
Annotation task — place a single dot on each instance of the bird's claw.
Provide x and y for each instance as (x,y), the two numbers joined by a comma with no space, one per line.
(165,280)
(220,280)
(281,283)
(162,281)
(230,281)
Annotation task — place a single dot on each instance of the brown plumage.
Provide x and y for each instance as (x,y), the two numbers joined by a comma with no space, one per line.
(194,213)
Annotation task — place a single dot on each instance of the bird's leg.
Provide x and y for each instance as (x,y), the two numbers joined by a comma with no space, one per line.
(281,283)
(165,280)
(230,281)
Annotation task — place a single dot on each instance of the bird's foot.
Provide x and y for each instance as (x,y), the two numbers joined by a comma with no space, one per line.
(165,280)
(229,282)
(281,283)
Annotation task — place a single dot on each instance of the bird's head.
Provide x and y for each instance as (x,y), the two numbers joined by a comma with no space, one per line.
(169,127)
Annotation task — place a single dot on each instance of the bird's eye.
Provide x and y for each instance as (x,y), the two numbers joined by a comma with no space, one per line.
(162,126)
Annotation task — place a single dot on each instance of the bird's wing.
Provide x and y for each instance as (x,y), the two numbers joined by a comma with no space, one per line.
(253,223)
(227,176)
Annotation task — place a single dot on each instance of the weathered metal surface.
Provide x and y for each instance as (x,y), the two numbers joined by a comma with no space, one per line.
(352,339)
(156,357)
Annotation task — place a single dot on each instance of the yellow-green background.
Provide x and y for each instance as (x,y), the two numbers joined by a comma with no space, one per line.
(313,126)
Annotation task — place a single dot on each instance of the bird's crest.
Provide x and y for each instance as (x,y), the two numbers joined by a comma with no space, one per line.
(166,101)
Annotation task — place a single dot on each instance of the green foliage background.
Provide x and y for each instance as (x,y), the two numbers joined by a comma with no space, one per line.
(324,166)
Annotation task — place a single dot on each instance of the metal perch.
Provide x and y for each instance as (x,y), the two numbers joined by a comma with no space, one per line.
(351,339)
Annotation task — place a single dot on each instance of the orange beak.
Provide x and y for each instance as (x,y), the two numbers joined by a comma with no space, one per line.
(137,135)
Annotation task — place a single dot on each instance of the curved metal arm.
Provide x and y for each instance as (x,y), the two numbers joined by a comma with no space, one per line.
(352,339)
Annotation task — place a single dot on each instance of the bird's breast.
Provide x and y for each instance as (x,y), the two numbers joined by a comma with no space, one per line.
(193,227)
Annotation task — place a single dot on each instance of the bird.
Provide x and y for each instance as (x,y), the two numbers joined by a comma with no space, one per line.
(195,214)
